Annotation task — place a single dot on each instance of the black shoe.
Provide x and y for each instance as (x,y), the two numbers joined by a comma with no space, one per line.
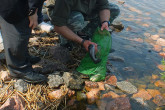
(31,77)
(34,59)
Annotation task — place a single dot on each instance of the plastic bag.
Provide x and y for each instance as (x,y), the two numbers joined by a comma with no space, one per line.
(97,72)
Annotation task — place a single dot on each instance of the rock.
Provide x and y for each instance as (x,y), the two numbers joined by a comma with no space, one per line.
(101,86)
(55,80)
(58,94)
(161,67)
(5,76)
(92,96)
(159,100)
(21,86)
(160,83)
(61,54)
(141,87)
(142,94)
(118,25)
(112,80)
(155,76)
(155,37)
(121,2)
(81,96)
(126,87)
(147,34)
(157,48)
(89,85)
(153,92)
(73,81)
(161,42)
(14,103)
(128,69)
(101,104)
(109,87)
(139,104)
(119,104)
(71,93)
(110,94)
(162,54)
(116,58)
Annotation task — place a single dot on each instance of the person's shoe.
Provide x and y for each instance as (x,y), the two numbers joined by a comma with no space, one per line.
(45,27)
(34,59)
(31,77)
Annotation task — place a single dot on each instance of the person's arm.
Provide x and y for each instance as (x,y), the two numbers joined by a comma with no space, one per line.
(70,35)
(33,8)
(104,16)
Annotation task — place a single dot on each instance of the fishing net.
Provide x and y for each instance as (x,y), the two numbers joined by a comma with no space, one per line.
(97,71)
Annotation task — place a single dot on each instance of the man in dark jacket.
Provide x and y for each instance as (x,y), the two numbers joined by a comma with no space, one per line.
(69,16)
(17,18)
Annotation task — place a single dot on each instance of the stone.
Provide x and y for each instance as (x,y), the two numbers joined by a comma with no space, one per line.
(81,96)
(142,94)
(161,67)
(128,69)
(121,2)
(13,103)
(112,80)
(153,92)
(126,87)
(71,93)
(160,42)
(101,104)
(73,81)
(119,104)
(92,96)
(89,85)
(147,34)
(109,87)
(118,25)
(101,86)
(154,76)
(155,37)
(157,48)
(55,80)
(141,87)
(21,85)
(110,94)
(159,100)
(162,54)
(116,58)
(5,76)
(160,83)
(139,104)
(58,94)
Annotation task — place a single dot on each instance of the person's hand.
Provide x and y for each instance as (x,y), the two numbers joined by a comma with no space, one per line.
(33,20)
(105,26)
(87,43)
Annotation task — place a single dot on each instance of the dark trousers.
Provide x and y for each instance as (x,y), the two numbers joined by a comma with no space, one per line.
(15,40)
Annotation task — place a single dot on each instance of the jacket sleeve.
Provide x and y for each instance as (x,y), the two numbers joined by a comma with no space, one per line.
(102,4)
(34,4)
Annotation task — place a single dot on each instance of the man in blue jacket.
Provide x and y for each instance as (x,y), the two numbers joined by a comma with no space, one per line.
(17,18)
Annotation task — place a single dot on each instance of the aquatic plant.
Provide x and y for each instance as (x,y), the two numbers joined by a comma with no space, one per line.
(163,73)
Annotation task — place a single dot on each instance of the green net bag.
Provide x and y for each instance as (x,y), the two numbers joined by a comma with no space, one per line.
(97,71)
